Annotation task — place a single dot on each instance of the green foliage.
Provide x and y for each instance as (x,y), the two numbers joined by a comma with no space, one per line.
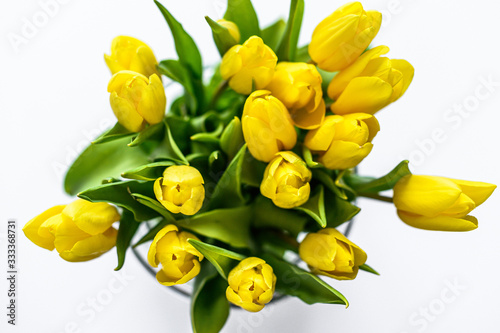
(243,14)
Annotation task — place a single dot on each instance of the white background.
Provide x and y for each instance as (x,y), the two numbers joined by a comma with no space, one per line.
(54,99)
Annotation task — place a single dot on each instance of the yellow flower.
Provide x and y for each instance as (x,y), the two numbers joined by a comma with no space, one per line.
(370,83)
(248,64)
(180,261)
(128,53)
(232,27)
(438,203)
(342,142)
(251,284)
(267,126)
(180,189)
(135,100)
(341,37)
(286,180)
(330,253)
(298,86)
(79,231)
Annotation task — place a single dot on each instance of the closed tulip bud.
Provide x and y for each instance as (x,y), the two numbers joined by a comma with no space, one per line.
(379,80)
(330,253)
(342,142)
(341,37)
(286,180)
(438,203)
(137,100)
(248,64)
(251,284)
(180,190)
(79,231)
(267,126)
(128,53)
(180,261)
(298,86)
(232,28)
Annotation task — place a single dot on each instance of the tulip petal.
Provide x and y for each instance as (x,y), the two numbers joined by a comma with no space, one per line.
(126,113)
(92,217)
(477,191)
(31,228)
(439,223)
(425,195)
(194,203)
(345,155)
(309,120)
(260,139)
(153,247)
(376,94)
(68,234)
(91,247)
(406,69)
(321,138)
(153,101)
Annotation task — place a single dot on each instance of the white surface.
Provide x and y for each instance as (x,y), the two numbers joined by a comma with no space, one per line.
(53,99)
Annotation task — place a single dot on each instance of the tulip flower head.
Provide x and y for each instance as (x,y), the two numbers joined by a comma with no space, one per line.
(438,203)
(286,180)
(137,100)
(232,28)
(79,231)
(342,142)
(341,37)
(267,126)
(180,261)
(180,190)
(298,86)
(128,53)
(379,80)
(328,252)
(251,284)
(249,64)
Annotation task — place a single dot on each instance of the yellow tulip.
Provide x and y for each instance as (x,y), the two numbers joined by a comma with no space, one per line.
(342,142)
(248,64)
(180,261)
(378,80)
(330,253)
(267,126)
(286,180)
(438,203)
(79,231)
(128,53)
(180,190)
(341,37)
(251,284)
(232,27)
(298,86)
(137,100)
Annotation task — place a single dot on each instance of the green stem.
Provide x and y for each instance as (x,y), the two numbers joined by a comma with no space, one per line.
(218,93)
(376,197)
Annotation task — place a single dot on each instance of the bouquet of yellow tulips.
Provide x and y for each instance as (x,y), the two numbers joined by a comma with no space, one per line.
(252,169)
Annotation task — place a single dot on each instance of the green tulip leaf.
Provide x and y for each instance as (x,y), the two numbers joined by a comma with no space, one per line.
(294,281)
(151,171)
(387,182)
(232,138)
(101,161)
(126,231)
(168,149)
(120,194)
(154,205)
(341,184)
(315,207)
(338,210)
(146,134)
(115,133)
(177,72)
(243,14)
(223,260)
(303,55)
(273,33)
(150,235)
(209,306)
(267,215)
(230,225)
(222,37)
(287,48)
(227,192)
(179,129)
(252,171)
(308,158)
(368,269)
(189,55)
(328,181)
